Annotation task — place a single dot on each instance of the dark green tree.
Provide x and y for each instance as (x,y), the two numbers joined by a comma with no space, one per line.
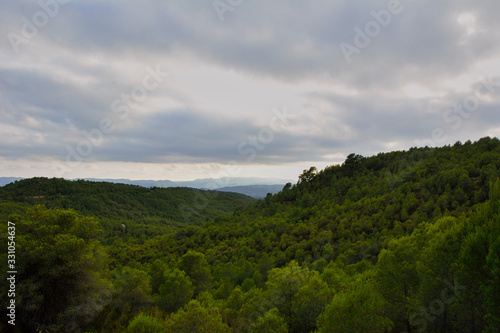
(195,265)
(195,318)
(271,322)
(175,291)
(61,268)
(359,309)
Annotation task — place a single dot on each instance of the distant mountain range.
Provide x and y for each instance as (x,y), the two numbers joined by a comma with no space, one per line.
(7,180)
(254,191)
(252,186)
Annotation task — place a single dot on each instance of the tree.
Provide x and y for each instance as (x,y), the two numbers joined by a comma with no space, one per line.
(132,288)
(194,318)
(251,306)
(492,284)
(360,309)
(398,279)
(195,265)
(283,285)
(472,272)
(478,268)
(144,323)
(132,292)
(61,270)
(443,240)
(271,322)
(352,164)
(264,265)
(308,175)
(232,310)
(175,291)
(310,300)
(157,274)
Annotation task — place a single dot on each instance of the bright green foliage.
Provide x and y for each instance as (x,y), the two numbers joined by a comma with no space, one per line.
(472,273)
(479,269)
(283,285)
(157,272)
(336,277)
(398,279)
(360,309)
(194,318)
(400,241)
(195,265)
(310,300)
(132,288)
(225,289)
(443,241)
(175,291)
(298,294)
(271,322)
(242,310)
(132,293)
(145,323)
(492,285)
(144,211)
(233,310)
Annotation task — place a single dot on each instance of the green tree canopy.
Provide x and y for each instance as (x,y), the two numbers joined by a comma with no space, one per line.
(61,270)
(195,265)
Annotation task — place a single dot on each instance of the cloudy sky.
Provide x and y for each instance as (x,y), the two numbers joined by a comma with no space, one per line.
(193,89)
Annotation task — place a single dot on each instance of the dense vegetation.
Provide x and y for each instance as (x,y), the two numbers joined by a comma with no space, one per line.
(125,210)
(400,241)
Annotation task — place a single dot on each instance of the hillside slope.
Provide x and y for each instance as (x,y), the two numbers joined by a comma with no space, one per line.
(400,241)
(141,211)
(358,207)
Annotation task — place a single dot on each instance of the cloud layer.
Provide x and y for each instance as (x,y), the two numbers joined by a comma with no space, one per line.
(84,82)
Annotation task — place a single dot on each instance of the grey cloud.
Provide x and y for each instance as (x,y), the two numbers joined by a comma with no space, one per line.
(286,41)
(185,135)
(38,95)
(422,41)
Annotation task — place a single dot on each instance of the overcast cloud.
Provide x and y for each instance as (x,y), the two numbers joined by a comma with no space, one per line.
(273,88)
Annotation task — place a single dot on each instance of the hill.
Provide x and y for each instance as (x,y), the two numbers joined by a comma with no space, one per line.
(146,211)
(122,201)
(251,186)
(400,241)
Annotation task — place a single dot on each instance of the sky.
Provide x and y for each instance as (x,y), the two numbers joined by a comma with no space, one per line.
(181,90)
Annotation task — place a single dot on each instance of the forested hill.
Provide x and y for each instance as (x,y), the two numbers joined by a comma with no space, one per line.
(401,241)
(397,189)
(129,204)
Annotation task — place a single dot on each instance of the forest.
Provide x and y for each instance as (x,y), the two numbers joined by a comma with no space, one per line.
(405,241)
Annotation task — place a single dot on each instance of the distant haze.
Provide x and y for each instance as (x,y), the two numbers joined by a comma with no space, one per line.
(254,187)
